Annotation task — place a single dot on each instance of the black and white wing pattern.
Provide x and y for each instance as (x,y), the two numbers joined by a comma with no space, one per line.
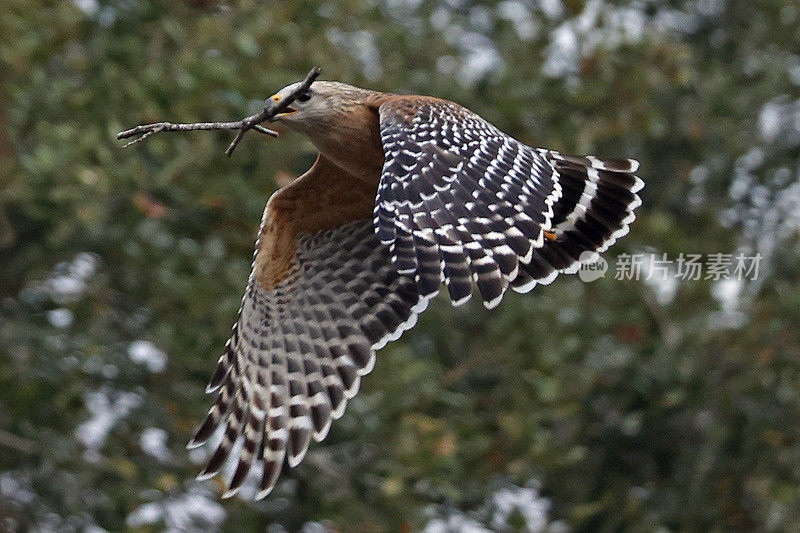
(299,349)
(460,202)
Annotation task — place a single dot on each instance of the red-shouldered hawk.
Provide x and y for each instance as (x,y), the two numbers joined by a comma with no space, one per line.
(407,192)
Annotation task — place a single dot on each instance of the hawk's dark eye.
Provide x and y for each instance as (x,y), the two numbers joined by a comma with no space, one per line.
(304,96)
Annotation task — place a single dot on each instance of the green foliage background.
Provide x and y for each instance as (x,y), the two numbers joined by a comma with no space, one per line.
(635,409)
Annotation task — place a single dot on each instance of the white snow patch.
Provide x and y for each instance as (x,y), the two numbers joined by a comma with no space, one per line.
(455,523)
(107,407)
(518,14)
(153,442)
(193,511)
(70,280)
(728,293)
(16,488)
(87,6)
(525,500)
(661,277)
(60,318)
(552,9)
(510,501)
(363,47)
(145,352)
(479,57)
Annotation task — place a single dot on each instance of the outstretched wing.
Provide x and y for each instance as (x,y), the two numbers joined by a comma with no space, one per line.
(322,297)
(460,201)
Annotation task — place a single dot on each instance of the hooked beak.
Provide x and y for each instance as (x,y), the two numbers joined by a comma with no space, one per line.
(286,111)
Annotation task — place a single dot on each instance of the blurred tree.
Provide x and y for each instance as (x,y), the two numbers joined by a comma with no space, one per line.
(635,404)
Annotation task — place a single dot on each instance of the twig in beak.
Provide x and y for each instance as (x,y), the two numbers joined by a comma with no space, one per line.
(252,122)
(146,130)
(272,109)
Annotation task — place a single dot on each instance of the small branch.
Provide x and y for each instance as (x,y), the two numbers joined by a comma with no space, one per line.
(9,440)
(271,109)
(146,130)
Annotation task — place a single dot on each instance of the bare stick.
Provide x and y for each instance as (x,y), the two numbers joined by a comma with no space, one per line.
(9,440)
(147,130)
(271,109)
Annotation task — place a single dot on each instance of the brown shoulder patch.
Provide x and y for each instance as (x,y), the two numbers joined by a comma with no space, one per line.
(404,108)
(323,198)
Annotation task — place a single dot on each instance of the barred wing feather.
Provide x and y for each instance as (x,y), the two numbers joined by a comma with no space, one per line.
(298,351)
(461,202)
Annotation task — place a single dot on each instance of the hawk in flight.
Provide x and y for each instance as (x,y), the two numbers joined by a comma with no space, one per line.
(407,193)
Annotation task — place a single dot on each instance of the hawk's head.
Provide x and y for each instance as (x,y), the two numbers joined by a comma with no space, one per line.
(323,102)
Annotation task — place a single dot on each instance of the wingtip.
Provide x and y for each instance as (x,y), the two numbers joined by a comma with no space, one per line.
(491,304)
(525,287)
(263,493)
(337,413)
(321,434)
(205,476)
(548,279)
(295,460)
(230,493)
(370,364)
(461,301)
